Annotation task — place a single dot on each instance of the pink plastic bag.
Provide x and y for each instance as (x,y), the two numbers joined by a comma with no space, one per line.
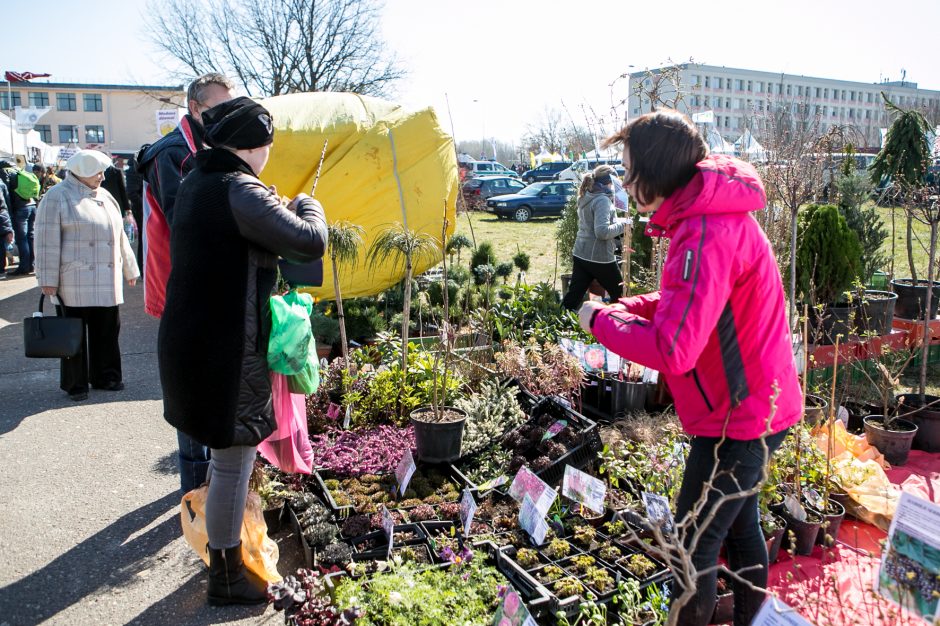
(288,447)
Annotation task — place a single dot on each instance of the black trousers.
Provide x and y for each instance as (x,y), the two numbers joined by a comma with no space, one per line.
(99,359)
(583,272)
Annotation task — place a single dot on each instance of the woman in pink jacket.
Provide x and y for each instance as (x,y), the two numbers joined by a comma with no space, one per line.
(717,331)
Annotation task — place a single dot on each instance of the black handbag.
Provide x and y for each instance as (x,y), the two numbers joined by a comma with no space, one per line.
(56,337)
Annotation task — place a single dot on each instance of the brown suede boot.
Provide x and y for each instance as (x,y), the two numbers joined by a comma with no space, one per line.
(230,582)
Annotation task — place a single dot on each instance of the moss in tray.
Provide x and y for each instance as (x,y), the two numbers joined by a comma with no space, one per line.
(567,587)
(639,565)
(549,574)
(600,579)
(609,552)
(369,491)
(558,549)
(583,535)
(527,558)
(581,564)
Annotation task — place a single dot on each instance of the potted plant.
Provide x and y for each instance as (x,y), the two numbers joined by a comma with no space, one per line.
(439,427)
(325,332)
(889,433)
(828,262)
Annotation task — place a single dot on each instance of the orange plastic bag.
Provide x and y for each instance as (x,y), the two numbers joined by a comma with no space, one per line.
(259,552)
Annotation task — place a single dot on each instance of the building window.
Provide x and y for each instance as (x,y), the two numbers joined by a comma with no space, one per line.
(727,103)
(92,101)
(707,101)
(65,102)
(45,132)
(739,85)
(843,95)
(868,117)
(5,99)
(696,79)
(708,82)
(68,134)
(728,125)
(799,90)
(789,90)
(38,99)
(721,82)
(750,85)
(94,134)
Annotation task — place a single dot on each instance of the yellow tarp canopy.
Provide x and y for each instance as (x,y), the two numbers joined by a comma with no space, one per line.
(358,181)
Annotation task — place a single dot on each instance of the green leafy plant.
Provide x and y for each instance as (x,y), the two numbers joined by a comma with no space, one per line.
(828,256)
(457,243)
(558,549)
(853,189)
(399,245)
(567,587)
(639,565)
(583,535)
(491,411)
(527,558)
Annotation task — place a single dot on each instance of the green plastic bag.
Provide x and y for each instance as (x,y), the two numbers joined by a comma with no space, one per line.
(291,337)
(307,380)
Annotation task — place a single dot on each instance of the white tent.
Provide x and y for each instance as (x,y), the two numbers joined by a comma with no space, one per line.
(34,146)
(717,143)
(746,145)
(543,157)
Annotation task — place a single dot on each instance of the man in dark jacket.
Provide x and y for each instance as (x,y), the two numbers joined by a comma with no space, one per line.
(6,227)
(23,215)
(163,166)
(135,197)
(114,183)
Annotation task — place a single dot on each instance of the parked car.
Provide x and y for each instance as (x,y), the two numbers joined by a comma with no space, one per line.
(484,168)
(536,200)
(489,186)
(579,168)
(545,171)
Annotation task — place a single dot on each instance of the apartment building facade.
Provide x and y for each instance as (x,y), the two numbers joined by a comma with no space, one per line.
(740,98)
(116,119)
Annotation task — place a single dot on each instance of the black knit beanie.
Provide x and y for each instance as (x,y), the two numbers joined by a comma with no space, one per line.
(241,123)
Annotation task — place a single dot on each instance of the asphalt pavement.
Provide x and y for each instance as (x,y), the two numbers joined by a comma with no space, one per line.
(89,491)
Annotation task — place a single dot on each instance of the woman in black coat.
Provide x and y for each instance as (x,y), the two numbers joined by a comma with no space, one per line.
(229,230)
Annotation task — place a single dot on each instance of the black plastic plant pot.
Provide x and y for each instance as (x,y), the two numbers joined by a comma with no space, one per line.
(724,603)
(801,535)
(926,415)
(273,518)
(832,520)
(775,538)
(835,320)
(912,298)
(437,442)
(894,444)
(626,396)
(876,313)
(817,408)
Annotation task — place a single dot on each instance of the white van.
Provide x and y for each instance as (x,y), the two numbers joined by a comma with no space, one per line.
(582,166)
(487,168)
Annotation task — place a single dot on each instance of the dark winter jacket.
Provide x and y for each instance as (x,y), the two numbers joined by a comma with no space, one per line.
(163,166)
(228,232)
(114,183)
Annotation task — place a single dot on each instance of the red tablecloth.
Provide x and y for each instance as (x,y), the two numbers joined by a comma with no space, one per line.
(838,586)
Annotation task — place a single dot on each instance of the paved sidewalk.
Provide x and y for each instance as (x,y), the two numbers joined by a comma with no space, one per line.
(89,521)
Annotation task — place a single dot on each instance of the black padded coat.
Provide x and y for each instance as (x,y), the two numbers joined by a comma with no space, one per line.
(228,233)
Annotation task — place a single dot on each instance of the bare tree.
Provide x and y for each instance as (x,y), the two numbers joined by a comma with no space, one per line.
(275,47)
(547,133)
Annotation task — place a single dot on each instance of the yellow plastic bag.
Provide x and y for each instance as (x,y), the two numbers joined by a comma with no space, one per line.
(259,552)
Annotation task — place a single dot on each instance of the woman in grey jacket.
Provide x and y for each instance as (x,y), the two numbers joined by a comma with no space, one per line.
(594,246)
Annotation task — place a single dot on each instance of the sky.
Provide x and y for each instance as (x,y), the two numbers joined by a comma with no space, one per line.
(500,64)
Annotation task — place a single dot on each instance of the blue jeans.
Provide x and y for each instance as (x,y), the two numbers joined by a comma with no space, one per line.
(736,523)
(194,462)
(228,492)
(24,219)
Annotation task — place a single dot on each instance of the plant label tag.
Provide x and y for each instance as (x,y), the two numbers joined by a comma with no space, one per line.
(528,484)
(512,611)
(468,508)
(388,527)
(909,565)
(532,520)
(554,429)
(332,411)
(814,498)
(499,481)
(776,613)
(348,418)
(404,471)
(657,510)
(584,488)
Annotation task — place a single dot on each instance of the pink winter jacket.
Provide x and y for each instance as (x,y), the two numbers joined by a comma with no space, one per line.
(717,329)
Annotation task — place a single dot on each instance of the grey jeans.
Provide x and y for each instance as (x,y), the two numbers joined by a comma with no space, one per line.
(229,471)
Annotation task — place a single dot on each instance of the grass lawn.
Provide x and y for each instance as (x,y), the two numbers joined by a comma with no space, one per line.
(920,246)
(535,237)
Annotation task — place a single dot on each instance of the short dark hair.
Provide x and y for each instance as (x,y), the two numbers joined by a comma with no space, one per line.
(664,148)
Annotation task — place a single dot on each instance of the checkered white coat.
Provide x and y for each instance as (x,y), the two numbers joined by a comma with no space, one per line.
(81,248)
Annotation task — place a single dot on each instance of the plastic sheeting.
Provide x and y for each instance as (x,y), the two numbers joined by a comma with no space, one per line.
(373,144)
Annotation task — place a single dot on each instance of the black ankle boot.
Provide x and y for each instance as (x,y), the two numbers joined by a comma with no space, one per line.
(230,582)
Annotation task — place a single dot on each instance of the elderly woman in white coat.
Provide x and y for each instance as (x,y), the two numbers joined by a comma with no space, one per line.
(82,257)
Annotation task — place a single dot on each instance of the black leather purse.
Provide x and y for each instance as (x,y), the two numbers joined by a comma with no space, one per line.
(57,337)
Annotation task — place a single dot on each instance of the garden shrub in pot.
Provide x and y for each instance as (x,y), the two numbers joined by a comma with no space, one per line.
(828,261)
